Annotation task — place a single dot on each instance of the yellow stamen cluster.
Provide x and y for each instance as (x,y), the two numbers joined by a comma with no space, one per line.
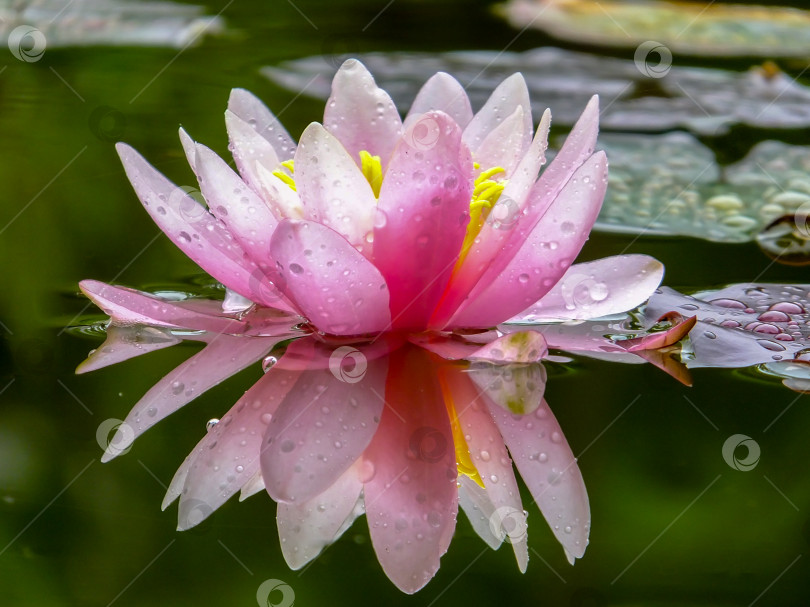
(485,194)
(288,175)
(372,171)
(464,462)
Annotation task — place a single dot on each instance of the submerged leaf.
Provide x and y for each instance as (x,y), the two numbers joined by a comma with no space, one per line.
(703,100)
(691,28)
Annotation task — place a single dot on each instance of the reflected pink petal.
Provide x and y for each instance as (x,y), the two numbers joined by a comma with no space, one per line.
(491,460)
(127,307)
(411,499)
(323,426)
(223,357)
(228,455)
(306,529)
(125,342)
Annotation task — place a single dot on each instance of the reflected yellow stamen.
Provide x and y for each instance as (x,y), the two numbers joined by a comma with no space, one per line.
(372,171)
(464,462)
(486,192)
(287,177)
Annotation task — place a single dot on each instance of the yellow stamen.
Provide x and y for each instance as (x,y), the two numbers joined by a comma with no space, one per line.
(287,177)
(372,171)
(486,192)
(464,461)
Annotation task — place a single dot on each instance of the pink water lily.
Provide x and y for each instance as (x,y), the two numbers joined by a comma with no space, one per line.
(390,245)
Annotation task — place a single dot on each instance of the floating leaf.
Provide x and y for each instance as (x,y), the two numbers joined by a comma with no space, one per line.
(102,22)
(635,96)
(691,28)
(671,184)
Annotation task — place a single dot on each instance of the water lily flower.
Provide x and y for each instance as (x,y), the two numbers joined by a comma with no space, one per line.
(381,247)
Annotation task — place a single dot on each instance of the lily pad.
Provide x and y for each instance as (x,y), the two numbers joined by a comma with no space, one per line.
(744,325)
(672,185)
(55,23)
(690,28)
(702,100)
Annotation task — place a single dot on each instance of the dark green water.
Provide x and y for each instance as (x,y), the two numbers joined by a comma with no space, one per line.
(672,523)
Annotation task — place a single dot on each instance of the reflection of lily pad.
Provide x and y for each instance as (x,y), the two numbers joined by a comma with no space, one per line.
(692,28)
(105,22)
(671,184)
(705,101)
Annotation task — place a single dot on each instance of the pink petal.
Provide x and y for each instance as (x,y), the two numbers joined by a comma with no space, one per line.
(282,200)
(360,114)
(332,187)
(598,288)
(442,92)
(228,455)
(545,256)
(249,149)
(518,347)
(223,357)
(189,148)
(496,231)
(411,498)
(128,307)
(488,266)
(506,144)
(323,426)
(125,342)
(245,215)
(422,217)
(523,178)
(662,339)
(490,458)
(507,96)
(306,529)
(550,471)
(188,224)
(336,288)
(450,347)
(250,109)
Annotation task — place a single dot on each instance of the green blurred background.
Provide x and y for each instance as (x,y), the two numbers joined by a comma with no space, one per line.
(76,532)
